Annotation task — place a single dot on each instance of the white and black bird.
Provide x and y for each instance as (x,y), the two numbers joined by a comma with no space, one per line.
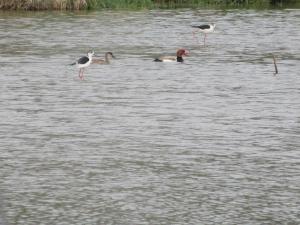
(206,28)
(84,62)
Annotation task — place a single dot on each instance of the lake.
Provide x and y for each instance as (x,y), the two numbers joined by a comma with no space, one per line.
(213,140)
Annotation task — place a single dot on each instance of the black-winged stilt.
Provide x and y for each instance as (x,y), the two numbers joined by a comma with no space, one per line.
(84,62)
(108,57)
(207,28)
(177,58)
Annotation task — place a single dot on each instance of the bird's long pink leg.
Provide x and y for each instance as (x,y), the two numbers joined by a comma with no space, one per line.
(79,75)
(195,37)
(82,74)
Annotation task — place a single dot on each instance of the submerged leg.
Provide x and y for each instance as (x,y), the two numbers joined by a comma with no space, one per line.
(204,38)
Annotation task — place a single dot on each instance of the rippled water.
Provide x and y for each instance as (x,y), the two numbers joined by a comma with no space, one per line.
(214,140)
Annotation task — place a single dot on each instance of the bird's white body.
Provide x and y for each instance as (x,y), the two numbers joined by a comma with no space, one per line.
(90,57)
(84,62)
(209,30)
(84,65)
(168,60)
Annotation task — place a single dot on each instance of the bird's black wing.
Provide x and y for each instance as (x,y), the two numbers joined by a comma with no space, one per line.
(202,27)
(83,60)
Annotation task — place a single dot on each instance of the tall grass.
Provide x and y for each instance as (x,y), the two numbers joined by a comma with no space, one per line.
(139,4)
(43,4)
(119,4)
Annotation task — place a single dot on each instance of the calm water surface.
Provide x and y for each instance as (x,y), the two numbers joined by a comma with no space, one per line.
(214,140)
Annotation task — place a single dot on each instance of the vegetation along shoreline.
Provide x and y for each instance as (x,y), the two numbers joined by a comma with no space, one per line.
(33,5)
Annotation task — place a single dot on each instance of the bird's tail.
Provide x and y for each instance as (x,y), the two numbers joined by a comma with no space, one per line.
(157,60)
(72,64)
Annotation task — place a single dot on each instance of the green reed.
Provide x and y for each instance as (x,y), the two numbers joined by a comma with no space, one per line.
(43,4)
(141,4)
(119,4)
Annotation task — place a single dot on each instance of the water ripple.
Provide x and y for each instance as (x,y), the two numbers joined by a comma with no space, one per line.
(212,141)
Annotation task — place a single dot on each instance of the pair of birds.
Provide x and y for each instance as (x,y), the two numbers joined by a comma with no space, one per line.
(85,61)
(207,28)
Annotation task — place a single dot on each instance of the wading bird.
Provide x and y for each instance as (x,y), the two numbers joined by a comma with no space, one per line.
(84,62)
(207,28)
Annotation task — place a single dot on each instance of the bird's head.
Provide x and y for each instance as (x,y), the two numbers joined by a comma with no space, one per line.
(91,53)
(182,52)
(110,55)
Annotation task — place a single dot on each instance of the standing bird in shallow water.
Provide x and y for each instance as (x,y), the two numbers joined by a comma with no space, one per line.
(177,58)
(207,28)
(108,57)
(84,62)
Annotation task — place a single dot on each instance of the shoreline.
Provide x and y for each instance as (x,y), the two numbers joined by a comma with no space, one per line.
(83,5)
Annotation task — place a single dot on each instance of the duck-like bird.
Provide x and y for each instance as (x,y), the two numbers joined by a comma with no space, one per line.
(178,58)
(84,62)
(206,28)
(108,57)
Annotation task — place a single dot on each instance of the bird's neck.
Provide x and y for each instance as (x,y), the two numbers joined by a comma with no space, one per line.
(179,59)
(106,58)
